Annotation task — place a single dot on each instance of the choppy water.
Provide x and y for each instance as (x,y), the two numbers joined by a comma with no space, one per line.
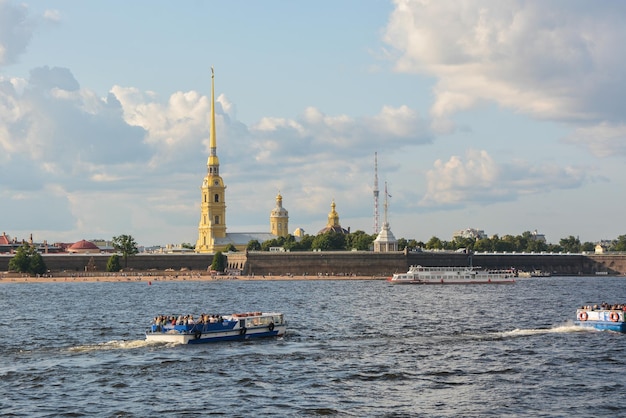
(354,348)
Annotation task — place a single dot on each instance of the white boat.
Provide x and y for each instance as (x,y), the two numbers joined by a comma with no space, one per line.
(452,275)
(213,328)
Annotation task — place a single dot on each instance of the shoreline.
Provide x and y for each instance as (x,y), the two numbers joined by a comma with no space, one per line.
(155,278)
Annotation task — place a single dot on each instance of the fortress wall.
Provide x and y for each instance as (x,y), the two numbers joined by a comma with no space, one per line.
(359,263)
(78,262)
(611,263)
(353,263)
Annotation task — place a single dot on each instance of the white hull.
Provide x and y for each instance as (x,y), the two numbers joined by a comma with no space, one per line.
(231,328)
(452,275)
(177,338)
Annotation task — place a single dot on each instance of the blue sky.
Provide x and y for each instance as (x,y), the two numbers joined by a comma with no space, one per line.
(502,116)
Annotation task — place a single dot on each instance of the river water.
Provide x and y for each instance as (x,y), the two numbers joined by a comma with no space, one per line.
(353,349)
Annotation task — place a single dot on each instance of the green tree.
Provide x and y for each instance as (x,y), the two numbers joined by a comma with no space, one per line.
(126,245)
(27,260)
(254,245)
(588,247)
(219,262)
(36,264)
(113,264)
(359,240)
(536,246)
(266,245)
(570,244)
(434,244)
(21,260)
(230,248)
(483,245)
(188,246)
(461,242)
(288,242)
(412,244)
(554,248)
(619,244)
(304,244)
(329,241)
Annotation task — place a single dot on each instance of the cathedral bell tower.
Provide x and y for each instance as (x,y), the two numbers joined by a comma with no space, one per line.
(279,219)
(213,207)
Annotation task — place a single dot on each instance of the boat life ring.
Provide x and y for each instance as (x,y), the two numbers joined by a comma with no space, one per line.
(614,316)
(271,326)
(583,316)
(242,331)
(196,335)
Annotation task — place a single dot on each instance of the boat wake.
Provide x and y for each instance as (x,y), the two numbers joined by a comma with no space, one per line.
(560,329)
(112,345)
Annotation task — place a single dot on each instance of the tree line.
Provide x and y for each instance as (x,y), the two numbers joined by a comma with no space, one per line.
(28,260)
(361,241)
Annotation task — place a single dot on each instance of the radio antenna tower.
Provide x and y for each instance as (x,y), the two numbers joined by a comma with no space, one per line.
(376,216)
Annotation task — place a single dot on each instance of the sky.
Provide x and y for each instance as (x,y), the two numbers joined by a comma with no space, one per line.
(502,116)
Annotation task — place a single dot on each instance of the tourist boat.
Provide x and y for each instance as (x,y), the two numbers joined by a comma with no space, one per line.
(452,275)
(239,326)
(602,317)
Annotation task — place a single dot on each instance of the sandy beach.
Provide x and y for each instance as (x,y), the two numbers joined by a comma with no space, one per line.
(163,277)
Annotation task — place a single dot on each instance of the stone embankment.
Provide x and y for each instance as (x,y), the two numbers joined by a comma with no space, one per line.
(337,264)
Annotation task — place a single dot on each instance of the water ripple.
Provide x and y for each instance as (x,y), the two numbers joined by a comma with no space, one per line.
(353,348)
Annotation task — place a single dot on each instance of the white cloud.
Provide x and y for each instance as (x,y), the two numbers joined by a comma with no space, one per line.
(604,139)
(553,60)
(133,161)
(52,15)
(478,179)
(16,30)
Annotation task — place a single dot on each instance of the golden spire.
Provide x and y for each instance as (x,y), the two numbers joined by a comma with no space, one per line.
(333,216)
(213,163)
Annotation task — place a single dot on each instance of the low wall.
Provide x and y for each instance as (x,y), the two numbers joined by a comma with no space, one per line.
(356,263)
(79,262)
(312,263)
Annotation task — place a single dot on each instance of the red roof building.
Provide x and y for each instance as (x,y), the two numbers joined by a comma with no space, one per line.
(83,247)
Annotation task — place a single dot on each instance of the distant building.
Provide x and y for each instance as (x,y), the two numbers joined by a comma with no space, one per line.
(6,245)
(385,241)
(470,233)
(333,222)
(279,219)
(538,237)
(104,245)
(83,247)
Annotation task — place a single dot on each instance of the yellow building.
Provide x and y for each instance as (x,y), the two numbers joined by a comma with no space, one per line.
(212,235)
(213,207)
(279,219)
(333,222)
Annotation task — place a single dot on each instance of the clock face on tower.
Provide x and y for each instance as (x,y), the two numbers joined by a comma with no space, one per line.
(216,183)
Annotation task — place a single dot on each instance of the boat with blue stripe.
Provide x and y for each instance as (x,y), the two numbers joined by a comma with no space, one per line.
(602,317)
(214,328)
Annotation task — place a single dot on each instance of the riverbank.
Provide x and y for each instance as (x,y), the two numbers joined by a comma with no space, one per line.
(155,278)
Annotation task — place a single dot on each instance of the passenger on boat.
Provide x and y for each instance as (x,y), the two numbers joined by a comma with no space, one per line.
(605,307)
